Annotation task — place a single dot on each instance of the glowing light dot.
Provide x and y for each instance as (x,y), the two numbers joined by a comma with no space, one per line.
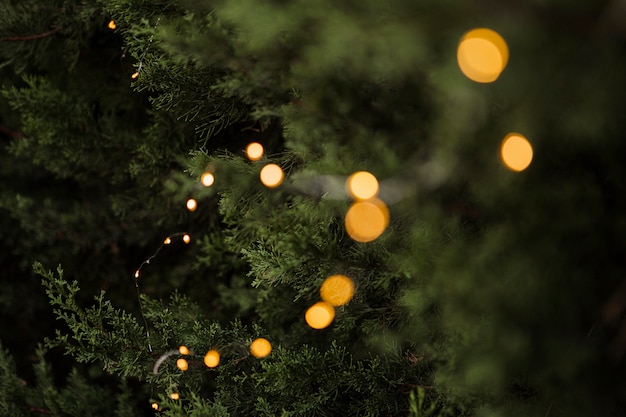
(366,220)
(482,55)
(112,25)
(137,274)
(362,185)
(337,290)
(192,204)
(155,406)
(272,175)
(320,315)
(186,238)
(135,75)
(260,347)
(207,179)
(516,152)
(174,396)
(212,358)
(183,350)
(167,241)
(182,364)
(254,151)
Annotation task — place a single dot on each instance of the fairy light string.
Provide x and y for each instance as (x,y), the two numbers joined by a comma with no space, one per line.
(167,241)
(363,188)
(258,348)
(145,51)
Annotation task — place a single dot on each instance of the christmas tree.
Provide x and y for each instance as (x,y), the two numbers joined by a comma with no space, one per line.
(289,208)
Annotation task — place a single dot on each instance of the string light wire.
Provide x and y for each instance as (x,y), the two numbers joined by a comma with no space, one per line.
(162,358)
(145,51)
(167,241)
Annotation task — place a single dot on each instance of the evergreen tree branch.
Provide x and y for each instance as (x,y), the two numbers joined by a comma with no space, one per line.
(11,133)
(34,409)
(31,37)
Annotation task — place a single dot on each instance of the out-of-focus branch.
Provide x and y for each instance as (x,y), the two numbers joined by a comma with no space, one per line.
(11,133)
(613,18)
(31,37)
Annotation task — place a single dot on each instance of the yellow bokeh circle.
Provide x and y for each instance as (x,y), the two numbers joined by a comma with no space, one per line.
(182,364)
(254,151)
(272,175)
(174,396)
(482,55)
(260,347)
(186,238)
(516,152)
(337,290)
(207,179)
(320,315)
(155,406)
(192,204)
(112,25)
(183,350)
(362,185)
(366,220)
(212,358)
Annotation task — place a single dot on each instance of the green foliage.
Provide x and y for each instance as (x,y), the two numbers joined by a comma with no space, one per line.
(31,29)
(11,387)
(417,405)
(482,296)
(297,380)
(78,396)
(98,333)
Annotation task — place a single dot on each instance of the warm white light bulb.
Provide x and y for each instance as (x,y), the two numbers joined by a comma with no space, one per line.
(254,151)
(272,175)
(207,179)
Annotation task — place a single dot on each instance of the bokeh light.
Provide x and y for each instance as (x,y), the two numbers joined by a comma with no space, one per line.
(482,55)
(135,75)
(212,358)
(155,406)
(366,220)
(182,364)
(112,25)
(207,179)
(337,290)
(174,396)
(516,152)
(320,315)
(183,350)
(260,347)
(272,175)
(167,241)
(186,238)
(192,204)
(362,185)
(254,151)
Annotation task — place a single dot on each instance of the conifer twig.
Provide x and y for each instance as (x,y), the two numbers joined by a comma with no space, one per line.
(31,37)
(11,133)
(34,409)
